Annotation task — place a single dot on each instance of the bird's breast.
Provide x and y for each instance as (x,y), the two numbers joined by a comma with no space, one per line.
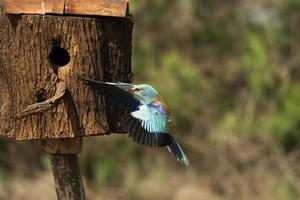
(161,102)
(159,108)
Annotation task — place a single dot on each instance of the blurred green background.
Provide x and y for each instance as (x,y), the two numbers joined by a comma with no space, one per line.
(230,71)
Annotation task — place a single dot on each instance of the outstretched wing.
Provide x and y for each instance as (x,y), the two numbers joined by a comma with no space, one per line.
(153,118)
(148,126)
(120,93)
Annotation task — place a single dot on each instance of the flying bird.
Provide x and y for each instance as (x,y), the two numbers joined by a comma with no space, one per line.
(149,122)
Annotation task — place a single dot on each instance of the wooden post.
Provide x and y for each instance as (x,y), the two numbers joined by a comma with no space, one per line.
(65,167)
(67,177)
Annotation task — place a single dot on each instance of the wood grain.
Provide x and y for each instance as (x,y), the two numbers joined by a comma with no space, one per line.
(67,178)
(115,8)
(33,6)
(45,105)
(99,48)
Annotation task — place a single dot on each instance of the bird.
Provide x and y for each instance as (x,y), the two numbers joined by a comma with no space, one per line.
(149,121)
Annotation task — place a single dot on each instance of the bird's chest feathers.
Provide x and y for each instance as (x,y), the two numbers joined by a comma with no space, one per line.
(153,108)
(158,107)
(161,104)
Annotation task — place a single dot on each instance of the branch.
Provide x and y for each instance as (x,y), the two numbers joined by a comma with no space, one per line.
(45,105)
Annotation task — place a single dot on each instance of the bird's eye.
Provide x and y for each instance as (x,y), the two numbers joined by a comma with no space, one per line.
(136,89)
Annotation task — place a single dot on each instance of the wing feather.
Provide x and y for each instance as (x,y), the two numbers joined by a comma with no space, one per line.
(117,92)
(143,137)
(153,127)
(152,119)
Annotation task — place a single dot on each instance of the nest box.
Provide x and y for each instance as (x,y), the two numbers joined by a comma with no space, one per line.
(44,45)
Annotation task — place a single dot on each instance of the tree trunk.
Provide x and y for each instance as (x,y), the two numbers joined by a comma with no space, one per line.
(39,54)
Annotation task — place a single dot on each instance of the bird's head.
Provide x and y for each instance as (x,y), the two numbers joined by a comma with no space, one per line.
(145,93)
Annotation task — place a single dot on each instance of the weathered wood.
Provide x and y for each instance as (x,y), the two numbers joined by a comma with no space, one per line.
(33,6)
(65,167)
(99,48)
(116,8)
(66,146)
(45,105)
(67,178)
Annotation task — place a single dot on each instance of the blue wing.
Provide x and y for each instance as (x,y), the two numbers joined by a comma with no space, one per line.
(147,126)
(117,92)
(152,120)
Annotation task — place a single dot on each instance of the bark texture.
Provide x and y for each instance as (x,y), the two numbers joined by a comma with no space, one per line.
(67,178)
(99,48)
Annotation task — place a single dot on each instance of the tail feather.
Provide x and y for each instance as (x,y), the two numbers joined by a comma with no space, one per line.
(176,150)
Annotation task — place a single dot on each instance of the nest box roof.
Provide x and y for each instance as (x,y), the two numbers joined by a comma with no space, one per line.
(115,8)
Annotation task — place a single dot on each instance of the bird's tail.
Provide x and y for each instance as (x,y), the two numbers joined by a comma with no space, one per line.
(176,150)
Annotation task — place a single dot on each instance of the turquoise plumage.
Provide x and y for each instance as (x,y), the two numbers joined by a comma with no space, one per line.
(149,122)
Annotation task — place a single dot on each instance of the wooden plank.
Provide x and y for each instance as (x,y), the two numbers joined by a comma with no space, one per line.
(33,6)
(116,8)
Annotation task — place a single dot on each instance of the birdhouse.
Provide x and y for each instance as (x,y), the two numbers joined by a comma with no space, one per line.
(45,45)
(43,51)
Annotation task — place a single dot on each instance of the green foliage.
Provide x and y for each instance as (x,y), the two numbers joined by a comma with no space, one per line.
(104,168)
(45,162)
(249,73)
(284,124)
(255,59)
(3,176)
(284,190)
